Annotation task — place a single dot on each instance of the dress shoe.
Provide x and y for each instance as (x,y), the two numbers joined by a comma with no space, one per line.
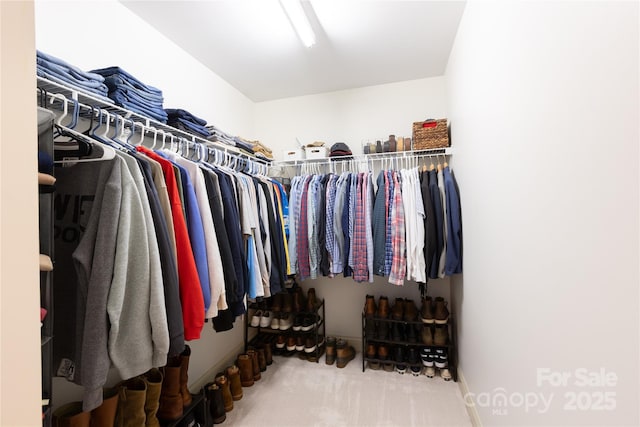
(299,343)
(291,343)
(280,342)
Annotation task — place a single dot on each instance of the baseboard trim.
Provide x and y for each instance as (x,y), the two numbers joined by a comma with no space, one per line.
(471,409)
(228,360)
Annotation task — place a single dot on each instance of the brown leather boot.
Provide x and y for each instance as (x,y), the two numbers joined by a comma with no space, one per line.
(383,307)
(372,353)
(105,414)
(331,351)
(410,311)
(287,302)
(383,352)
(71,415)
(441,336)
(397,311)
(277,303)
(441,312)
(268,354)
(131,403)
(153,378)
(171,406)
(184,376)
(245,365)
(299,303)
(312,301)
(344,353)
(255,365)
(262,360)
(223,382)
(426,312)
(370,306)
(427,335)
(216,402)
(233,373)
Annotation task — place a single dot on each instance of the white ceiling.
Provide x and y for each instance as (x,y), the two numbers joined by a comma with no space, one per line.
(251,44)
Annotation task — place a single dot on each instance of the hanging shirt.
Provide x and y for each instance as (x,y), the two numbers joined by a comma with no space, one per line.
(398,266)
(368,194)
(312,224)
(420,267)
(436,201)
(445,226)
(379,225)
(294,212)
(429,223)
(190,288)
(388,246)
(339,243)
(453,264)
(302,231)
(329,212)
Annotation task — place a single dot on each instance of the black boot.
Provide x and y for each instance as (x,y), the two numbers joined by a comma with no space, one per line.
(216,403)
(400,360)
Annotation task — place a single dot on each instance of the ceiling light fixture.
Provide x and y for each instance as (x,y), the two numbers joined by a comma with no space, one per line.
(299,21)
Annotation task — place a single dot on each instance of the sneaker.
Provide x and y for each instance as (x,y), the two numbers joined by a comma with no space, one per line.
(440,358)
(308,323)
(445,374)
(427,356)
(265,321)
(430,372)
(257,317)
(415,371)
(441,312)
(297,322)
(280,342)
(286,321)
(300,343)
(426,312)
(275,321)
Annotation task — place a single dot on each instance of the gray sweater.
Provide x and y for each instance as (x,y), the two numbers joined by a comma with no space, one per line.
(102,278)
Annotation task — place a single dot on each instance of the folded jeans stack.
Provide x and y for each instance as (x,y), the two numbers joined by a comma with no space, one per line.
(184,120)
(130,93)
(261,150)
(58,71)
(217,135)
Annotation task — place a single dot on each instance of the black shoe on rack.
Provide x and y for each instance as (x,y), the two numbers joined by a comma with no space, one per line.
(370,329)
(400,360)
(413,359)
(383,330)
(398,332)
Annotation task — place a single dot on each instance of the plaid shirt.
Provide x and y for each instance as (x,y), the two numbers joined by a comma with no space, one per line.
(368,206)
(293,223)
(302,231)
(312,216)
(329,209)
(399,262)
(359,242)
(388,250)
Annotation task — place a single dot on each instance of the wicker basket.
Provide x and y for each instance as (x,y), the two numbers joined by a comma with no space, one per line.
(430,134)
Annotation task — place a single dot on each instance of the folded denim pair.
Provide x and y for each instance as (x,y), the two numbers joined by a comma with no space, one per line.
(155,113)
(75,72)
(67,82)
(120,76)
(178,113)
(189,127)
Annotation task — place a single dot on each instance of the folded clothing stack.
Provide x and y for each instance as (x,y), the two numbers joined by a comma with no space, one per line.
(261,150)
(217,135)
(58,71)
(184,120)
(130,93)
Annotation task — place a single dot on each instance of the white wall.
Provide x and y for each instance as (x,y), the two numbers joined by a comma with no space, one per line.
(351,116)
(20,389)
(544,116)
(113,35)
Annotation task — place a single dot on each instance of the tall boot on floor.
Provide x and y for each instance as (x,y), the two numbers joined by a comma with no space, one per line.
(262,359)
(268,355)
(105,414)
(344,353)
(184,376)
(153,378)
(235,384)
(71,415)
(245,365)
(330,357)
(216,403)
(132,396)
(223,382)
(171,406)
(255,365)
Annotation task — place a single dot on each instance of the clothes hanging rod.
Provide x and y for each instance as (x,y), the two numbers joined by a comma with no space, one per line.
(88,101)
(365,158)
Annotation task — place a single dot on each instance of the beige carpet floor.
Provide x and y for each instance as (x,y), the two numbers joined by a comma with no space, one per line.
(294,392)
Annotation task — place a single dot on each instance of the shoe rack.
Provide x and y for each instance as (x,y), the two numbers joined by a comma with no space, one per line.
(299,326)
(407,335)
(46,188)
